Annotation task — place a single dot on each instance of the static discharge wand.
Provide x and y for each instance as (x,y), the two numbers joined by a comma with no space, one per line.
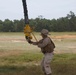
(27,29)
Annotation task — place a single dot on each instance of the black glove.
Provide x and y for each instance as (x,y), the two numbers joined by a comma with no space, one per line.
(29,41)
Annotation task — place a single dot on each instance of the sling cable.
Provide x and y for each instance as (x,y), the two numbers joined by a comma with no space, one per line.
(27,29)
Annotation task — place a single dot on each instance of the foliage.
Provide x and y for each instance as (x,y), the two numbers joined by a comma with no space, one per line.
(62,24)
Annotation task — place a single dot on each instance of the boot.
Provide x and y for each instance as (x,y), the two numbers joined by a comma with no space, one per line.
(50,74)
(45,74)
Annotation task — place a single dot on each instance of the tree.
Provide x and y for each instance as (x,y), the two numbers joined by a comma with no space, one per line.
(72,21)
(18,25)
(1,26)
(8,25)
(62,24)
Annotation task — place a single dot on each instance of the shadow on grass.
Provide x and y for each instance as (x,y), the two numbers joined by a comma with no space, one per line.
(57,69)
(22,70)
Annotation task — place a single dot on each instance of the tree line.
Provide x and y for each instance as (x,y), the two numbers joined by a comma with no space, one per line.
(62,24)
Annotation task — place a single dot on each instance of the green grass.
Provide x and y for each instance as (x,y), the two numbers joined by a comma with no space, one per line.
(17,57)
(13,42)
(62,64)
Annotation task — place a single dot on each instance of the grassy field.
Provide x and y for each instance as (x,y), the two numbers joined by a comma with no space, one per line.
(17,57)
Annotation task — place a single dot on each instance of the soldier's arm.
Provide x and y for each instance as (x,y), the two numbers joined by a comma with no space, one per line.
(44,43)
(31,42)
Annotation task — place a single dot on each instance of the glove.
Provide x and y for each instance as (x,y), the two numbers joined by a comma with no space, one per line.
(29,41)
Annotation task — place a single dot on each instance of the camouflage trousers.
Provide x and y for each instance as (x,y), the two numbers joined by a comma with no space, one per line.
(45,64)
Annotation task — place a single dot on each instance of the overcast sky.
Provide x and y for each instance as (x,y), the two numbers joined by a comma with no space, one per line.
(49,9)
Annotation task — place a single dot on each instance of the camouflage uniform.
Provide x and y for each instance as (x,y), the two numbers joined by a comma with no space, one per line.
(46,45)
(47,57)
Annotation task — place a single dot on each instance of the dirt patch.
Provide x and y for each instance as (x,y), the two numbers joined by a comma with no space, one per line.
(11,53)
(64,37)
(22,39)
(12,40)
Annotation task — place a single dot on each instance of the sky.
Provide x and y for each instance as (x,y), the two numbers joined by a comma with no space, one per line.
(49,9)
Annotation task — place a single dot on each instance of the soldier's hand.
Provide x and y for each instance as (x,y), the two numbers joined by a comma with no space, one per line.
(29,41)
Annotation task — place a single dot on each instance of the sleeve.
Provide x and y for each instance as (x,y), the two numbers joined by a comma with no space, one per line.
(44,43)
(35,43)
